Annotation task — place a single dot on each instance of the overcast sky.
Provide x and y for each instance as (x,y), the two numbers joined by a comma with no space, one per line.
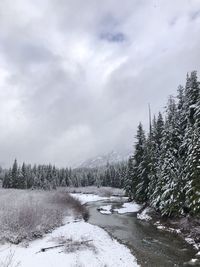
(76,76)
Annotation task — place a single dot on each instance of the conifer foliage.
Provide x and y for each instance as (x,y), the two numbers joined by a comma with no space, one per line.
(49,177)
(165,168)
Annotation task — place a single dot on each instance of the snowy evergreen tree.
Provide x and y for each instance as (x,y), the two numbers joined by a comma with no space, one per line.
(15,175)
(154,151)
(192,186)
(140,179)
(167,162)
(170,201)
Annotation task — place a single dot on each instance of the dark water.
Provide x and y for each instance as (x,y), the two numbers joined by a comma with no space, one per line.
(151,247)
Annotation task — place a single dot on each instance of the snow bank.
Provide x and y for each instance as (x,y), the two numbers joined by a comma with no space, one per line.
(129,207)
(192,242)
(193,262)
(198,253)
(144,215)
(108,252)
(105,209)
(167,229)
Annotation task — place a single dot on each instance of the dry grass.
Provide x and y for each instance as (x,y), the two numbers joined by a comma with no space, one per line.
(101,191)
(70,246)
(25,215)
(64,199)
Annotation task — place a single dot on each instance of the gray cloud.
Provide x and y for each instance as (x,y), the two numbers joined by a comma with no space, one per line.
(113,37)
(76,76)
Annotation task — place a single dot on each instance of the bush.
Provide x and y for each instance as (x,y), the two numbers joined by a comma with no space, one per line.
(65,199)
(30,214)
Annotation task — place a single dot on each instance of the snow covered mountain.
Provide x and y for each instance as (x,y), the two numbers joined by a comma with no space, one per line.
(102,160)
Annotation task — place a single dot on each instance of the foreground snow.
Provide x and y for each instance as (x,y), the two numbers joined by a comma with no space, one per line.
(107,252)
(129,207)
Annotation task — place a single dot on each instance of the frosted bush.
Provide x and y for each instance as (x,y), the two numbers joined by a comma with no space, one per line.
(30,214)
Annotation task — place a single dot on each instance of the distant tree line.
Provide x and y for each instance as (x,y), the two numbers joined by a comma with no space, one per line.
(165,168)
(49,177)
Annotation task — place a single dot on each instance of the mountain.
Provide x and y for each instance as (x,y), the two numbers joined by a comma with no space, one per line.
(102,160)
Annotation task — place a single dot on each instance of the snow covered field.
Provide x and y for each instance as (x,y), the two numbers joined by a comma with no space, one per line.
(100,191)
(93,247)
(85,198)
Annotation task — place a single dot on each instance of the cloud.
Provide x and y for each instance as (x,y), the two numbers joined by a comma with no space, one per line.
(113,37)
(77,76)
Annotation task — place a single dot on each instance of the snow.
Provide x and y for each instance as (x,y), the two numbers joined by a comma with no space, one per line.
(85,198)
(129,207)
(189,240)
(144,215)
(167,229)
(105,209)
(108,252)
(161,227)
(192,242)
(193,261)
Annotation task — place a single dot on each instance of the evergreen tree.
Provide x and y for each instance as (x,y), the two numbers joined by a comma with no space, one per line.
(7,180)
(154,151)
(15,175)
(140,179)
(169,179)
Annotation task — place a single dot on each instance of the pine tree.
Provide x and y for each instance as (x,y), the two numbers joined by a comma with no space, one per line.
(154,151)
(7,180)
(192,177)
(169,181)
(140,179)
(15,175)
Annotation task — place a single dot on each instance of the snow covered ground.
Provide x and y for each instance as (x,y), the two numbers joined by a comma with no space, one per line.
(143,216)
(129,207)
(105,209)
(106,252)
(85,198)
(99,250)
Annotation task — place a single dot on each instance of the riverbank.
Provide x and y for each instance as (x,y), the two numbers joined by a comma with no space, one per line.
(89,246)
(186,227)
(76,243)
(149,245)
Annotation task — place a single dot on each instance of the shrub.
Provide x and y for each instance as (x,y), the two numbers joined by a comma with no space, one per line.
(30,214)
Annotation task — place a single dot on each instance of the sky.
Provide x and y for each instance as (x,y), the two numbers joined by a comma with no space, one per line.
(76,76)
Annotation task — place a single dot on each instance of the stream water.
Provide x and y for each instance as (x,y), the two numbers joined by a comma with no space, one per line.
(151,247)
